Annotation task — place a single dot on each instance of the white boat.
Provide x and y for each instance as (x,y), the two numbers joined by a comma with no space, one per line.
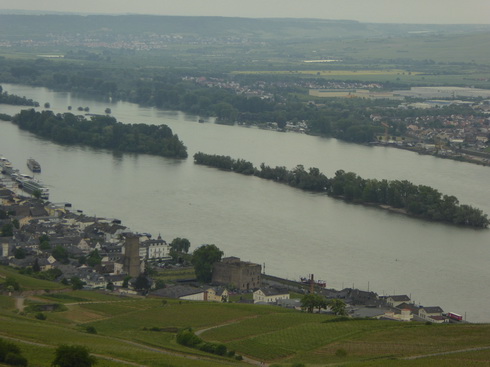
(32,186)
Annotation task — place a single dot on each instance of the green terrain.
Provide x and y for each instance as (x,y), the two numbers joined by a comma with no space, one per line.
(142,331)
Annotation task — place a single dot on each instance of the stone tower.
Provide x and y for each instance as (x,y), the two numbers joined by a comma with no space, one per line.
(132,256)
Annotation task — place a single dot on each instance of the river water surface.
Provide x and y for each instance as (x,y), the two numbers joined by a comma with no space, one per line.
(294,233)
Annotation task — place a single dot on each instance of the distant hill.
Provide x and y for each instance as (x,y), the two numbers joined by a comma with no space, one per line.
(39,27)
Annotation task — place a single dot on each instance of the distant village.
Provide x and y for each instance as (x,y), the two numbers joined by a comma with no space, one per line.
(48,238)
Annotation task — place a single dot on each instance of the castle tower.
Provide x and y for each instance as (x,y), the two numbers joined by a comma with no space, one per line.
(132,256)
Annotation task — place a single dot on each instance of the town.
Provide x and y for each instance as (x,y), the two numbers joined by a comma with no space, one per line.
(55,242)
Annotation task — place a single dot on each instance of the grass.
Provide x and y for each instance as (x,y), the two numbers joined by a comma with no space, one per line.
(27,282)
(51,335)
(6,302)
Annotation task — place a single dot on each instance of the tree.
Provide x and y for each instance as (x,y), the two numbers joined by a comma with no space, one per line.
(45,245)
(180,245)
(20,253)
(12,282)
(10,354)
(311,301)
(94,258)
(126,282)
(73,356)
(337,306)
(61,254)
(76,283)
(142,283)
(35,267)
(15,223)
(203,259)
(7,230)
(37,194)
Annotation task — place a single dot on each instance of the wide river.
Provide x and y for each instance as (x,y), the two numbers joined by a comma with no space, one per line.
(294,233)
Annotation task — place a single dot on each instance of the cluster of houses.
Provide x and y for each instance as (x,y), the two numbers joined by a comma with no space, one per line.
(43,231)
(399,308)
(41,227)
(448,134)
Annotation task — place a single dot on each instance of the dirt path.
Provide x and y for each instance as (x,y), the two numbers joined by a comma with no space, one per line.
(139,345)
(245,358)
(19,303)
(446,353)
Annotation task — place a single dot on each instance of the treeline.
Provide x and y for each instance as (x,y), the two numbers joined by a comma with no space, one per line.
(102,132)
(187,90)
(416,200)
(346,119)
(12,99)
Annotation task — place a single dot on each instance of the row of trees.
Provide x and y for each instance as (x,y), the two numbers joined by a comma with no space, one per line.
(343,119)
(189,339)
(102,132)
(312,301)
(417,200)
(12,99)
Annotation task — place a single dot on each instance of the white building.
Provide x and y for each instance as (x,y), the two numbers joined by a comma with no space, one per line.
(155,249)
(270,295)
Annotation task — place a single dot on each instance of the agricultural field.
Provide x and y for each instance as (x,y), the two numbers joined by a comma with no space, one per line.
(27,282)
(142,331)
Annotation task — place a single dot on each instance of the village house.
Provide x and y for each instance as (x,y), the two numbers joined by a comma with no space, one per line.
(399,315)
(217,295)
(396,300)
(270,295)
(432,314)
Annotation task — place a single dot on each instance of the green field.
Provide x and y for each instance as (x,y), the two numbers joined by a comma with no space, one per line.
(142,331)
(27,282)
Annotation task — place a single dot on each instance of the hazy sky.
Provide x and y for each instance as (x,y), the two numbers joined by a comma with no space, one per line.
(386,11)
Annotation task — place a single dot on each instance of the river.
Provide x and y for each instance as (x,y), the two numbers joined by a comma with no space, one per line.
(294,233)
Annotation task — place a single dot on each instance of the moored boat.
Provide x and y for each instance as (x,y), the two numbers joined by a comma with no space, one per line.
(6,166)
(33,165)
(32,186)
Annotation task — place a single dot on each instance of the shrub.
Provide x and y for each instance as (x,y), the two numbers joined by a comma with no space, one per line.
(91,330)
(220,349)
(207,347)
(40,316)
(188,338)
(73,356)
(14,359)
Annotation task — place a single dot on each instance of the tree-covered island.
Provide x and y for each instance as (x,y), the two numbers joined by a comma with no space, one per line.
(419,201)
(12,99)
(102,132)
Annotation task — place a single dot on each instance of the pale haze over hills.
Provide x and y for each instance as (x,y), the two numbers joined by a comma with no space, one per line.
(377,11)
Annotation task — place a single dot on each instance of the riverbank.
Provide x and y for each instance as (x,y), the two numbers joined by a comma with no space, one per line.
(294,232)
